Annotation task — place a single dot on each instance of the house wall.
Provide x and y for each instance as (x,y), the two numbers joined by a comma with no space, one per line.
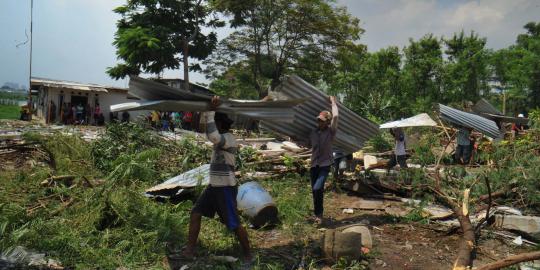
(105,101)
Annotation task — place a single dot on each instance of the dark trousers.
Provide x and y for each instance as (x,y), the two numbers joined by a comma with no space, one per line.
(463,152)
(401,160)
(318,177)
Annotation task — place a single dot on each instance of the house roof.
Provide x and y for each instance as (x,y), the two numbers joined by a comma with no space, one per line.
(36,81)
(193,87)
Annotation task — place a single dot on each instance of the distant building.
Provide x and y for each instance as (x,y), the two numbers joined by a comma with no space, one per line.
(50,96)
(179,84)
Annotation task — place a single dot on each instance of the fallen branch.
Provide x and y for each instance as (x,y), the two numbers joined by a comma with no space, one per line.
(55,179)
(508,261)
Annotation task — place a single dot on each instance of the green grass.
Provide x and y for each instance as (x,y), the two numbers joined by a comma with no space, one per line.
(9,112)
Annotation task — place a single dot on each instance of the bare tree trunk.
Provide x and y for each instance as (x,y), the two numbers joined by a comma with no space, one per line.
(185,47)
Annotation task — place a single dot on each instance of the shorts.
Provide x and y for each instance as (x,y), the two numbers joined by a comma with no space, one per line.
(220,200)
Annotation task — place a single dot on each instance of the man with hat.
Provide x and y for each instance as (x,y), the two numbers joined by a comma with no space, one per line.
(321,140)
(220,195)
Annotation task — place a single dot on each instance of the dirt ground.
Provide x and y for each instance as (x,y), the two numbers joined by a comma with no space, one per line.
(395,245)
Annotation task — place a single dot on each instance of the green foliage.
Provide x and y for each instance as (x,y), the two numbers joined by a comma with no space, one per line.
(534,118)
(10,112)
(13,95)
(246,154)
(135,166)
(122,138)
(105,227)
(276,38)
(516,164)
(380,143)
(423,150)
(343,264)
(151,34)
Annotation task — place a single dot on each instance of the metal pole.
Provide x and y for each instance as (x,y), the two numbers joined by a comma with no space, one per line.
(30,72)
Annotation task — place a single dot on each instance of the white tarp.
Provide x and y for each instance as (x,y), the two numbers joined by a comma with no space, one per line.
(420,120)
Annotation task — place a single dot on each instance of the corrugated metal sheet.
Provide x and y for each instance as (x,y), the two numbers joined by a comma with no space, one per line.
(73,85)
(176,185)
(476,122)
(507,119)
(252,110)
(165,98)
(483,106)
(151,90)
(353,130)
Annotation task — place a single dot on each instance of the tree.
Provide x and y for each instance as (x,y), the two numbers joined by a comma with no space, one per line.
(467,73)
(274,37)
(530,42)
(152,35)
(370,83)
(517,70)
(422,72)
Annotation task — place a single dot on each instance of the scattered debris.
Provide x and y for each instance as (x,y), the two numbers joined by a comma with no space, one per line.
(529,225)
(19,257)
(346,243)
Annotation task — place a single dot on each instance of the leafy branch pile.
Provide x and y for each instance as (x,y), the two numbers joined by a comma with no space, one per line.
(100,219)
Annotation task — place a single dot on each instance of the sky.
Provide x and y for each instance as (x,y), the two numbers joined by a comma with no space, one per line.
(73,38)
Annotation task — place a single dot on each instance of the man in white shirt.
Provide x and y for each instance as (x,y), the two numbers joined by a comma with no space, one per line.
(220,195)
(400,155)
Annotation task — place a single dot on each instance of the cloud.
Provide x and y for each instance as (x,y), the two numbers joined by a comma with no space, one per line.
(73,37)
(394,22)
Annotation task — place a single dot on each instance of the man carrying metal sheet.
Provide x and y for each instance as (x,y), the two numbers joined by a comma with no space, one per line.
(400,154)
(220,195)
(321,140)
(463,149)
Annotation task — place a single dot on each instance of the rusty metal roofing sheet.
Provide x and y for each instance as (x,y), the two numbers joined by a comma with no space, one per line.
(476,122)
(353,130)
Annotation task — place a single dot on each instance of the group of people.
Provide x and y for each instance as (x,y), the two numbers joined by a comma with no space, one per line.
(220,195)
(168,121)
(79,114)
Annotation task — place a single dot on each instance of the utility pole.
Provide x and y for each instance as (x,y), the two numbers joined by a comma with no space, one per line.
(30,109)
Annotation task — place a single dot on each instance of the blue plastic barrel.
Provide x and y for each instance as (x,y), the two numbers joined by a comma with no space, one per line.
(255,202)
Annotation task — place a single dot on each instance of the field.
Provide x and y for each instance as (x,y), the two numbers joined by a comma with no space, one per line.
(9,112)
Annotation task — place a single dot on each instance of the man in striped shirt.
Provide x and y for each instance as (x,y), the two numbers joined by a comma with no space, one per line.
(220,195)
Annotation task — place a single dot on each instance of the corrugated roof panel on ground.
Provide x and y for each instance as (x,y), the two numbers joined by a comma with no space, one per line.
(353,130)
(476,122)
